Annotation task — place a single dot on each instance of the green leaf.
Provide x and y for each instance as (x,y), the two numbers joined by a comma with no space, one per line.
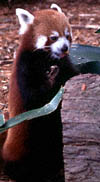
(86,58)
(89,67)
(98,31)
(84,53)
(1,119)
(45,110)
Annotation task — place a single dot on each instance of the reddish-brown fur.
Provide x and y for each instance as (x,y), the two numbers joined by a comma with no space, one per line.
(15,147)
(59,23)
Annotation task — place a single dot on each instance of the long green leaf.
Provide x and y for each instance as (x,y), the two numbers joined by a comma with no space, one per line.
(84,53)
(89,67)
(98,31)
(1,119)
(86,58)
(45,110)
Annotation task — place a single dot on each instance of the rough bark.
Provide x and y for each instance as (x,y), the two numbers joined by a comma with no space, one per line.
(81,129)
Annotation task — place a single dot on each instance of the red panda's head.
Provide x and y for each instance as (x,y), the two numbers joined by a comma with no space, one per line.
(51,29)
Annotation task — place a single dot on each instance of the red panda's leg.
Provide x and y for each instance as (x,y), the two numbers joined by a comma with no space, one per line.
(14,147)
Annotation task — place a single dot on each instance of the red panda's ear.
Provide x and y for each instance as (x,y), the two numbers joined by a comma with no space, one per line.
(56,7)
(25,18)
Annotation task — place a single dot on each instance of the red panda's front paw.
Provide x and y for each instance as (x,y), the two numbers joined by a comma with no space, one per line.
(54,71)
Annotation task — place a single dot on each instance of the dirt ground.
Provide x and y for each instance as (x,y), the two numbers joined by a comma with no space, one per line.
(84,17)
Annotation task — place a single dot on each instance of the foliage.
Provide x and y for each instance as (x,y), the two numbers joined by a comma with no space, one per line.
(45,110)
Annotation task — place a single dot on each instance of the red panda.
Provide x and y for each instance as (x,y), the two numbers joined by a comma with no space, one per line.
(33,149)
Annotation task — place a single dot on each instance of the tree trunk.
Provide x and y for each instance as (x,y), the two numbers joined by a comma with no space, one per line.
(81,128)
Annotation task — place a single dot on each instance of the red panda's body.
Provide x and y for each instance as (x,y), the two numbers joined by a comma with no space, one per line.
(36,146)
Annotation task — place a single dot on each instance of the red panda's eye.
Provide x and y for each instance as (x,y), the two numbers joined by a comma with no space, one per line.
(53,38)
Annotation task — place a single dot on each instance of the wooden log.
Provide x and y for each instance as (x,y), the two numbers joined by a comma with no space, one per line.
(81,128)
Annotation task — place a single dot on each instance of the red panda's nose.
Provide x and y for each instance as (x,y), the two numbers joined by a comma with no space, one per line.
(64,48)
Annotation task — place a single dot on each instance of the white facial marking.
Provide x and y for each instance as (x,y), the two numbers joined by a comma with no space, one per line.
(56,48)
(25,18)
(54,33)
(55,6)
(41,41)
